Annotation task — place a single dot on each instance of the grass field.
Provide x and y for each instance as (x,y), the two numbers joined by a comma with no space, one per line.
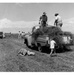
(41,62)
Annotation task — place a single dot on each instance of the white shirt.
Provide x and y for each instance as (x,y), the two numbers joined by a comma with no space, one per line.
(22,34)
(52,44)
(58,18)
(36,27)
(19,33)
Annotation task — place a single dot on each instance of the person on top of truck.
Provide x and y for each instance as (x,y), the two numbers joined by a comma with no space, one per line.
(43,20)
(58,20)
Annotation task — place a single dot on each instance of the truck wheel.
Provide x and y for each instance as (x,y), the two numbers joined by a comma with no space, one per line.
(39,48)
(26,42)
(1,37)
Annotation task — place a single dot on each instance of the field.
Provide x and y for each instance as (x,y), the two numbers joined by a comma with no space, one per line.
(41,62)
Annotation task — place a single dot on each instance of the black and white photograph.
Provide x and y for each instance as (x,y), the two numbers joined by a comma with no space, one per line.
(36,37)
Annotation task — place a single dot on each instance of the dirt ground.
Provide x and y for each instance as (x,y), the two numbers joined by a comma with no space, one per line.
(41,62)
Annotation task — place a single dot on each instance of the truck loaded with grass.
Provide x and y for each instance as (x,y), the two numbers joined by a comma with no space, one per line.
(40,38)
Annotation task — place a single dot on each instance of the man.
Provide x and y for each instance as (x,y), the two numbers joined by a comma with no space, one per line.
(19,34)
(43,19)
(52,46)
(58,20)
(25,52)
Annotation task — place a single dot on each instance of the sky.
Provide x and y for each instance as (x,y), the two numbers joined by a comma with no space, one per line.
(15,16)
(32,11)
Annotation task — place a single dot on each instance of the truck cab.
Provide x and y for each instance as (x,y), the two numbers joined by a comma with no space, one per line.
(2,35)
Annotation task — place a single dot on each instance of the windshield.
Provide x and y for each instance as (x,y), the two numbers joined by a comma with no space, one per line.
(1,33)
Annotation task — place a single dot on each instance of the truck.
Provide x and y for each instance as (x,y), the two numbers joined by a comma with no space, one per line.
(63,39)
(2,35)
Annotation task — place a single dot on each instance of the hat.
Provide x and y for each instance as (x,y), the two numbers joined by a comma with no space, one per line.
(56,14)
(44,13)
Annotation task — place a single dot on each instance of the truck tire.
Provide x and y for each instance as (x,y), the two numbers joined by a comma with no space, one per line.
(2,37)
(39,47)
(26,42)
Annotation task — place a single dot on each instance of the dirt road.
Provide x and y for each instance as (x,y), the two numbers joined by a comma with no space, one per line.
(41,62)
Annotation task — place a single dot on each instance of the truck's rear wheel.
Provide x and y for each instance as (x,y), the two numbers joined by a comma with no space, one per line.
(39,48)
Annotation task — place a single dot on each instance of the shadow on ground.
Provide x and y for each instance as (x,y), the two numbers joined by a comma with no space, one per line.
(60,50)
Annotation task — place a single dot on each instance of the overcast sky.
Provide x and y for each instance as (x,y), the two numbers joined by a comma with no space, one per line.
(32,11)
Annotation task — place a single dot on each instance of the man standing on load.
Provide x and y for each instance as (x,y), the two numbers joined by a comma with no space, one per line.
(58,20)
(43,20)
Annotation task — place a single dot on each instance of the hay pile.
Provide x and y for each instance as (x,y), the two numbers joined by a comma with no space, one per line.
(52,32)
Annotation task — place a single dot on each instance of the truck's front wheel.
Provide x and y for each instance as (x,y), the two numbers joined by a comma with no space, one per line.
(26,42)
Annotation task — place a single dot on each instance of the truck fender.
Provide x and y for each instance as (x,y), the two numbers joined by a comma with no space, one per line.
(29,40)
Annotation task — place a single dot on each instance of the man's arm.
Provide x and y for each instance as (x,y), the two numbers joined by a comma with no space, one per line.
(40,19)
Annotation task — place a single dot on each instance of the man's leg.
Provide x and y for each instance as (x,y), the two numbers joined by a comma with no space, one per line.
(44,23)
(54,51)
(51,51)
